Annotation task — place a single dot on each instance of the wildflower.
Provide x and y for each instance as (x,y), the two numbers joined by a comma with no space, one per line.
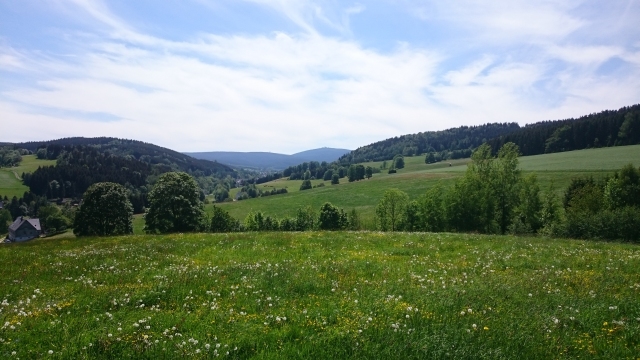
(50,352)
(470,311)
(474,326)
(486,328)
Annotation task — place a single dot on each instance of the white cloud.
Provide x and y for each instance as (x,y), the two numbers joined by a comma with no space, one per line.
(289,92)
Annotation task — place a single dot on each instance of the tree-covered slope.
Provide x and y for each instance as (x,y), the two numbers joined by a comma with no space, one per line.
(603,129)
(458,141)
(138,150)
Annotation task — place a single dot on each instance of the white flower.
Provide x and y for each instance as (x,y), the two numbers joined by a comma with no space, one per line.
(50,352)
(474,326)
(470,311)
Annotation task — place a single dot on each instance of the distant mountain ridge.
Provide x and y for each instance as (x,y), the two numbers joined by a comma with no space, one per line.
(269,160)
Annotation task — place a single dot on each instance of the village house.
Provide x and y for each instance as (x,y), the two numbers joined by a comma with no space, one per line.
(24,229)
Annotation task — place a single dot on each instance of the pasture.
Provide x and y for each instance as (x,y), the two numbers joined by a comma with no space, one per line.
(10,181)
(555,170)
(319,294)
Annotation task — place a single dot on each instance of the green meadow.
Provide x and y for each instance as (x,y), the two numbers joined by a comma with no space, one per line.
(10,178)
(555,170)
(364,295)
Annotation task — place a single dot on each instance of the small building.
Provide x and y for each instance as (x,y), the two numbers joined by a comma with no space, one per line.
(24,229)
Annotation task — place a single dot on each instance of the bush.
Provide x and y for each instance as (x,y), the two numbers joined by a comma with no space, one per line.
(335,179)
(331,218)
(288,224)
(306,185)
(392,171)
(222,222)
(617,224)
(305,219)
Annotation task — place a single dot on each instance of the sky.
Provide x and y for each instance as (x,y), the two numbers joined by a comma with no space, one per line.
(290,75)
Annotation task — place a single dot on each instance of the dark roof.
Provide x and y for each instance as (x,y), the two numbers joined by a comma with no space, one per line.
(21,220)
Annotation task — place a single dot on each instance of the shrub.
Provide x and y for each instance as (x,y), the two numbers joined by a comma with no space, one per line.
(306,185)
(221,221)
(331,218)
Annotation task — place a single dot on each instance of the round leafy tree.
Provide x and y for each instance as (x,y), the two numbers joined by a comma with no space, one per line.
(174,205)
(106,210)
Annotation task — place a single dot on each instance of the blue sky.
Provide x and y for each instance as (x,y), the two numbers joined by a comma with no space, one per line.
(290,75)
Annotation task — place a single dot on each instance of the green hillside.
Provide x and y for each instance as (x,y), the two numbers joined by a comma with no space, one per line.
(325,295)
(417,177)
(10,181)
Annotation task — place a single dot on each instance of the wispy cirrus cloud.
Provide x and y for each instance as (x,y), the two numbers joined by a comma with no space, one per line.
(319,86)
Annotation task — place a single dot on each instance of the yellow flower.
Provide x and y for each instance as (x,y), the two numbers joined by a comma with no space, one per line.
(486,328)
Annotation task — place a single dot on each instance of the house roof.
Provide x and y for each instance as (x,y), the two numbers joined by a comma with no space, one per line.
(21,220)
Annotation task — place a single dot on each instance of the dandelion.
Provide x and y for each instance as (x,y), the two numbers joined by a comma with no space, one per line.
(486,328)
(474,326)
(109,335)
(470,311)
(50,352)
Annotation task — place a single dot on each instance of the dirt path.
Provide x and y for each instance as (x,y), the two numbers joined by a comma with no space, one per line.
(17,176)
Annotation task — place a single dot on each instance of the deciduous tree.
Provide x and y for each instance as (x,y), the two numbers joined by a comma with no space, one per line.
(174,205)
(105,210)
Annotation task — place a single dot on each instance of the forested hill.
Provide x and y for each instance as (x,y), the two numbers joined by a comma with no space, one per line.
(81,162)
(606,128)
(451,143)
(132,150)
(603,129)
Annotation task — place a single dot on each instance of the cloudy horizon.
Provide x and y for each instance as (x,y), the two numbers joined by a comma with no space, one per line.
(290,75)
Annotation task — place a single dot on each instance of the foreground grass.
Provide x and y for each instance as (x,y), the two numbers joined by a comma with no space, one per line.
(324,295)
(10,182)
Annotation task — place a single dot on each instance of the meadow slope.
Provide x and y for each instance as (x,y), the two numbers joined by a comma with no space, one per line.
(10,178)
(417,177)
(320,294)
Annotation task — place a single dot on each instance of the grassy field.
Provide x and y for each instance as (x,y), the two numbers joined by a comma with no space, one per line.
(323,295)
(10,181)
(417,177)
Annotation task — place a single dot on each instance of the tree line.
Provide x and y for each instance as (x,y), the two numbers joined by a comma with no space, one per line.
(492,197)
(603,129)
(449,144)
